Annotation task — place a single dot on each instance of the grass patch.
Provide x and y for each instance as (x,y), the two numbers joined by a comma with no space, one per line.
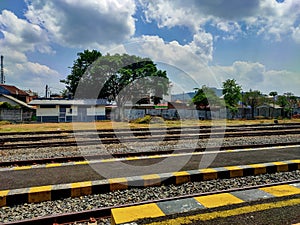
(30,127)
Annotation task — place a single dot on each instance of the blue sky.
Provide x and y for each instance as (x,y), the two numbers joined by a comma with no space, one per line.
(205,42)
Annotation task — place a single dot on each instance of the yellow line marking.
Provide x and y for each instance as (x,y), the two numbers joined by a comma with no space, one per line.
(117,180)
(39,194)
(81,184)
(154,156)
(132,158)
(228,213)
(182,177)
(40,189)
(53,165)
(81,188)
(181,173)
(209,174)
(82,163)
(108,160)
(118,184)
(151,180)
(128,214)
(235,171)
(259,168)
(217,200)
(208,170)
(151,176)
(282,190)
(281,166)
(4,193)
(22,168)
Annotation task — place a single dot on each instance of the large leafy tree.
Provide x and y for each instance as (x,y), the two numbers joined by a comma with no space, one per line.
(80,65)
(122,78)
(253,99)
(232,95)
(287,101)
(205,97)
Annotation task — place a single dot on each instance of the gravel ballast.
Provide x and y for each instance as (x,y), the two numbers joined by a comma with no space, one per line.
(53,152)
(134,195)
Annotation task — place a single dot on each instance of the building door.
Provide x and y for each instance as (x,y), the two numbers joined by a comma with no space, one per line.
(82,114)
(62,114)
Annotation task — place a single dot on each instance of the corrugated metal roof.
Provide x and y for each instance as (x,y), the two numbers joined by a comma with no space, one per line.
(68,102)
(17,101)
(13,90)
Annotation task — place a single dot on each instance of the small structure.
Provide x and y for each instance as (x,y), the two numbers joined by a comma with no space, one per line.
(16,93)
(269,110)
(14,110)
(67,110)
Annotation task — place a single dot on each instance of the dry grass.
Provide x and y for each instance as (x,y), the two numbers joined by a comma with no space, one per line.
(4,127)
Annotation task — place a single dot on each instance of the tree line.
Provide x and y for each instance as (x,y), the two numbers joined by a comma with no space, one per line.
(129,78)
(234,97)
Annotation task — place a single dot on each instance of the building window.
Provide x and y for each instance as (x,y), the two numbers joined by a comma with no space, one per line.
(47,106)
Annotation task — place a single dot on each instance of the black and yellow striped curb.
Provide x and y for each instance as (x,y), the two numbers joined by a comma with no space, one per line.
(90,162)
(54,192)
(161,210)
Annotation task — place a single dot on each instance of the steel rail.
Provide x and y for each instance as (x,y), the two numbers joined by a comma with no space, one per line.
(118,130)
(144,139)
(137,133)
(136,154)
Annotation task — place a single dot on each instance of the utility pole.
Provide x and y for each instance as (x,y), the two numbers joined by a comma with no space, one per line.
(47,90)
(2,71)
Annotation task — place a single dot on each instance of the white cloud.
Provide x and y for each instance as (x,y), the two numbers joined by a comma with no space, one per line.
(19,71)
(84,23)
(296,34)
(264,17)
(186,65)
(19,38)
(22,35)
(255,76)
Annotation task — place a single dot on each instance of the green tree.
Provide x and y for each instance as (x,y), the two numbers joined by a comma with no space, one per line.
(232,95)
(80,65)
(206,97)
(122,78)
(253,99)
(287,101)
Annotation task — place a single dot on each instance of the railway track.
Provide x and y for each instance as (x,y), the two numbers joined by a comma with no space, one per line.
(40,140)
(108,137)
(101,214)
(136,154)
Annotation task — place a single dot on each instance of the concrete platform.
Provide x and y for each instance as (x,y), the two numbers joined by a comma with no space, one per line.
(172,212)
(54,192)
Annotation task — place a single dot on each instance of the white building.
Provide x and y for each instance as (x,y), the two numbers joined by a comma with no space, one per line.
(64,110)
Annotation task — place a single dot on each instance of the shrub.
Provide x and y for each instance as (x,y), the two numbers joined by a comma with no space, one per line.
(145,120)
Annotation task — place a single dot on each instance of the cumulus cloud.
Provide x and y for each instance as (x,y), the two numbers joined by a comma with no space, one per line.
(296,34)
(22,35)
(19,71)
(75,24)
(263,17)
(186,65)
(255,76)
(84,23)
